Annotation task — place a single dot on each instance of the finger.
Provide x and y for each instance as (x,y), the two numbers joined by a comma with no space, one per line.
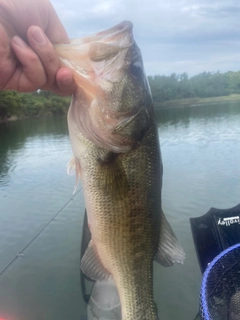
(60,80)
(7,63)
(29,75)
(65,81)
(44,49)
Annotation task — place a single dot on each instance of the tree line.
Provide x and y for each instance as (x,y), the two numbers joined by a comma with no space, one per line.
(203,85)
(36,104)
(164,88)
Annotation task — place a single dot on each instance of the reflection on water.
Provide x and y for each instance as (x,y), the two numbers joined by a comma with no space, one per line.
(204,112)
(201,156)
(14,135)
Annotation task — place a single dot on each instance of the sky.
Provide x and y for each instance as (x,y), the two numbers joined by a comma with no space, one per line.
(175,36)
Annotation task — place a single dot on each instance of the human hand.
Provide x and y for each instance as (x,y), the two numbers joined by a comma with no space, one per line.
(28,60)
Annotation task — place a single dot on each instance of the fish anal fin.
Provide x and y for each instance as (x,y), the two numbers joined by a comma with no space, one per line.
(169,249)
(74,166)
(91,265)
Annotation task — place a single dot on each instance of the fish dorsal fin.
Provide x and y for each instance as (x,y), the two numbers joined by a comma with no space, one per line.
(169,249)
(91,265)
(73,166)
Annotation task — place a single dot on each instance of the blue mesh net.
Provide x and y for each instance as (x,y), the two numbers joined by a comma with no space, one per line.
(220,290)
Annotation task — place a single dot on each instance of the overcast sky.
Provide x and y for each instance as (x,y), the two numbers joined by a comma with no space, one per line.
(174,35)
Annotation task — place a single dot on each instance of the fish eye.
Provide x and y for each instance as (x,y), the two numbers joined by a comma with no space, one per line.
(136,69)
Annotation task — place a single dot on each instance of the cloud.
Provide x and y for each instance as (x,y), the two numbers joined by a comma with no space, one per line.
(174,36)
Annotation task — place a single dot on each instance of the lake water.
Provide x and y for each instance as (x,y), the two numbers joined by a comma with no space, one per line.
(41,220)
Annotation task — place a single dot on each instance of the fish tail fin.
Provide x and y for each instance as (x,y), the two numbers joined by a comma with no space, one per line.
(104,302)
(169,249)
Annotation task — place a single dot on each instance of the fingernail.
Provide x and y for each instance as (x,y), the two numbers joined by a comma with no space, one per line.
(66,81)
(38,36)
(19,42)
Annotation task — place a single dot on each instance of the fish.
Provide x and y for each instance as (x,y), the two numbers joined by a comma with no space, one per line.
(234,307)
(116,155)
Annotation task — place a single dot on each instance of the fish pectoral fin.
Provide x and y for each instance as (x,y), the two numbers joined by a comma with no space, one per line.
(73,166)
(112,176)
(91,265)
(169,249)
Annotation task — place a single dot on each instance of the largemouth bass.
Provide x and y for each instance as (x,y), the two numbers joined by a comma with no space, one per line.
(117,156)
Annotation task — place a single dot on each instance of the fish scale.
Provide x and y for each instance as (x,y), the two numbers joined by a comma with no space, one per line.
(125,231)
(117,156)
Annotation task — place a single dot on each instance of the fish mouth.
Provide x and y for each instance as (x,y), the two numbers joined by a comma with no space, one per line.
(79,54)
(110,35)
(104,109)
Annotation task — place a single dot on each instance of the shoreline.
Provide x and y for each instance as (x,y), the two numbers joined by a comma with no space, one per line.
(195,102)
(171,104)
(16,118)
